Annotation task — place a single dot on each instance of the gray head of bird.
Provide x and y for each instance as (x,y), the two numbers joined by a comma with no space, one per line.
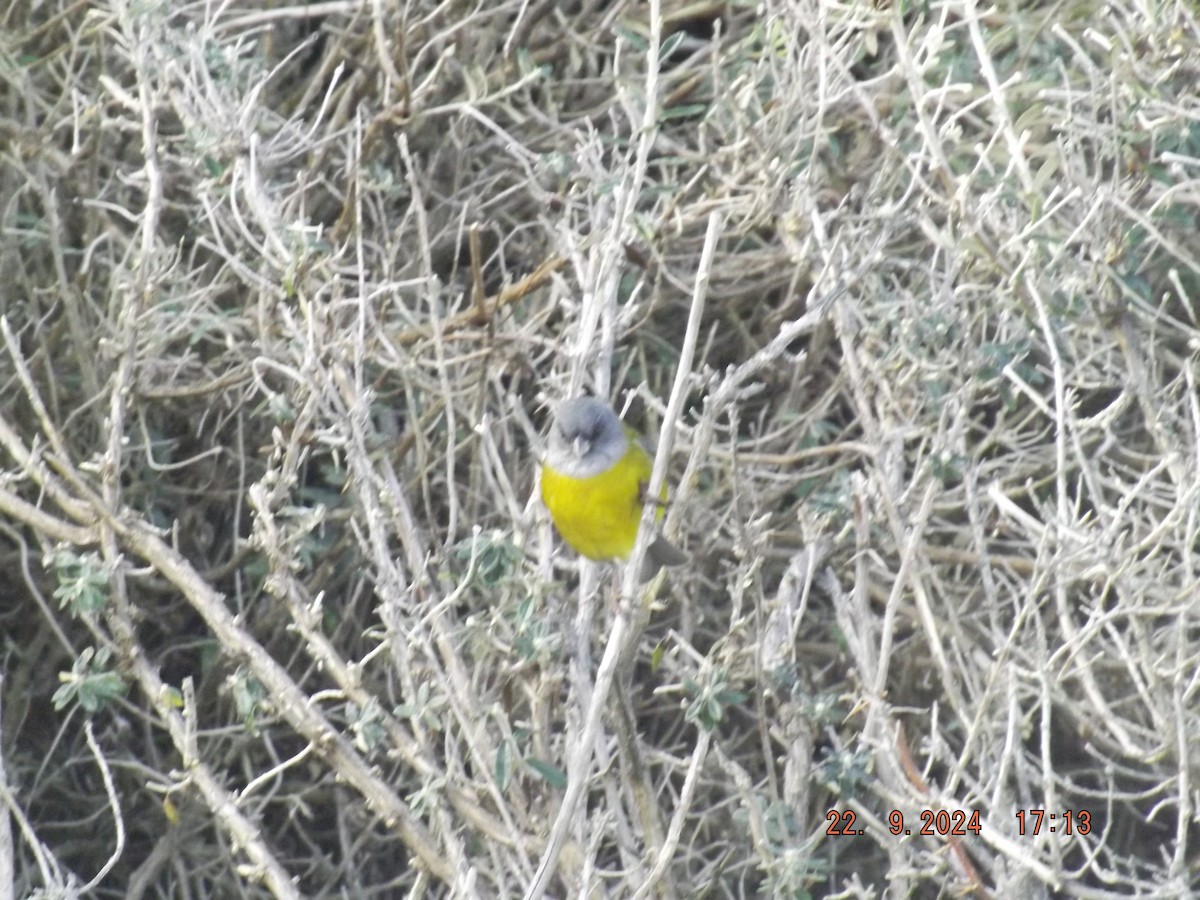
(586,438)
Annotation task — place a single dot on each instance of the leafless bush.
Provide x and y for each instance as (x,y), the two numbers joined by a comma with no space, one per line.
(908,295)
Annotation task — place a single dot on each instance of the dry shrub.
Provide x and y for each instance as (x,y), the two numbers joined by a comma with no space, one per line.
(287,292)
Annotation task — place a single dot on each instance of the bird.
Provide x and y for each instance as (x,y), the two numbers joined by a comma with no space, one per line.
(594,480)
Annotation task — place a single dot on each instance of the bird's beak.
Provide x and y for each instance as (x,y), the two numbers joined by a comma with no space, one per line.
(581,446)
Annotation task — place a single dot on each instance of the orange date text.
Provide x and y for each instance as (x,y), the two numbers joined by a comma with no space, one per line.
(942,822)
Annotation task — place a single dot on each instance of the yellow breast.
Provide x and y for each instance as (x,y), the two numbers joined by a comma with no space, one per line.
(599,516)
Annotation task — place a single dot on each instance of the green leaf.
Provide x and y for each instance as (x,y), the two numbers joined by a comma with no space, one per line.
(635,40)
(82,582)
(670,44)
(683,111)
(248,695)
(503,770)
(90,683)
(553,776)
(711,700)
